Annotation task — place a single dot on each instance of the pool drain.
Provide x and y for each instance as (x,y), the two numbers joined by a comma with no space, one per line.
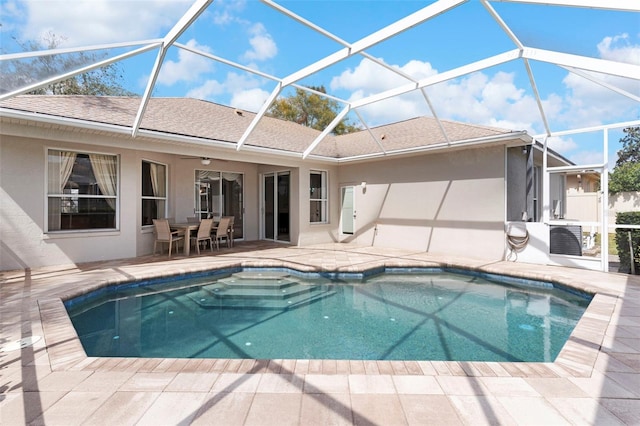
(19,344)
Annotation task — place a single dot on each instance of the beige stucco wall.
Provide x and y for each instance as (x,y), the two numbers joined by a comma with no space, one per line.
(24,243)
(442,203)
(22,210)
(451,203)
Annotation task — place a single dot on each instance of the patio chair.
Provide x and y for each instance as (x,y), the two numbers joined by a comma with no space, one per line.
(164,235)
(222,231)
(204,234)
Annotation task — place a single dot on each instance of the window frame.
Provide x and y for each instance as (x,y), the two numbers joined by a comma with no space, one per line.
(148,197)
(323,199)
(47,196)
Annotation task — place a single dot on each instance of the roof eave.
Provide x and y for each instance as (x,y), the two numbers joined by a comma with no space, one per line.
(522,136)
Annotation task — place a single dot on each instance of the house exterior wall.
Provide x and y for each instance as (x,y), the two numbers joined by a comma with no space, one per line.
(450,203)
(22,216)
(25,244)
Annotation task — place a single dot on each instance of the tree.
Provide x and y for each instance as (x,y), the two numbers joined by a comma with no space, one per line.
(104,81)
(625,176)
(630,152)
(311,110)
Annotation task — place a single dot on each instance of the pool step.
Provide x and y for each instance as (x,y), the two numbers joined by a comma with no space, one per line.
(207,299)
(261,275)
(239,291)
(259,290)
(257,283)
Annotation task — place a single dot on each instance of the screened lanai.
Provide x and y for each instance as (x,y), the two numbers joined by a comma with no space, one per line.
(566,72)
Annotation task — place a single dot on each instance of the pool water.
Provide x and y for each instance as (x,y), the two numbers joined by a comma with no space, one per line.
(279,314)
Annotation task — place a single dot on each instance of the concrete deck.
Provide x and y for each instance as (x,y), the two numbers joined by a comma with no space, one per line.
(594,380)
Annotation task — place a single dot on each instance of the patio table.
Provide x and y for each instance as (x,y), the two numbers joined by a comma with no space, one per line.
(186,228)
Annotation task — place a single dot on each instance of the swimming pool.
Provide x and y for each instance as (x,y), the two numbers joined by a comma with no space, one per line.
(402,314)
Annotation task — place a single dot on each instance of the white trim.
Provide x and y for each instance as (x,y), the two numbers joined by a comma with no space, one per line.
(81,70)
(59,51)
(621,5)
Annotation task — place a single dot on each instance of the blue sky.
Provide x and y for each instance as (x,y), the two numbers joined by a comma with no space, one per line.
(255,35)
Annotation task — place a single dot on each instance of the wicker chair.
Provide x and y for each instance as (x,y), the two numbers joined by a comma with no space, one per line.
(222,231)
(203,234)
(164,235)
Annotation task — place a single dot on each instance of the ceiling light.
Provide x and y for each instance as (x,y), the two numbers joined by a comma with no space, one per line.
(205,161)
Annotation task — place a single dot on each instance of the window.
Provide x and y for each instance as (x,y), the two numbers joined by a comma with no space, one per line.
(82,190)
(318,197)
(154,192)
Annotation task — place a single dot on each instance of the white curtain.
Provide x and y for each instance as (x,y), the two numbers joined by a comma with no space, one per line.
(153,170)
(230,177)
(60,168)
(207,175)
(105,169)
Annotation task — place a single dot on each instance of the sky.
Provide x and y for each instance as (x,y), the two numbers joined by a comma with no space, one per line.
(255,35)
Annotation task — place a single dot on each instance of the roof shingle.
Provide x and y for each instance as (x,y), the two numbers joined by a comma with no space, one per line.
(207,120)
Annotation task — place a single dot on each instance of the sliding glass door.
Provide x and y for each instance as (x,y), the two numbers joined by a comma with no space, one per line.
(220,194)
(275,206)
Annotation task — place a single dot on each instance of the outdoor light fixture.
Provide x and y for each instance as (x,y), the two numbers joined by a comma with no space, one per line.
(205,161)
(363,185)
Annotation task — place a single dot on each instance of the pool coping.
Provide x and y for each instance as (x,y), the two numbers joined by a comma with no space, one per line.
(576,359)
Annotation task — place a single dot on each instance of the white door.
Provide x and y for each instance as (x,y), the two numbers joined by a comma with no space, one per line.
(348,213)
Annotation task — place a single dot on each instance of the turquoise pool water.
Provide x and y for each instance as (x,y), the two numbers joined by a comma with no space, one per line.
(281,314)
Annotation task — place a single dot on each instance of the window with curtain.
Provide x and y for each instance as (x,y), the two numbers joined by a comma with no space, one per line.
(154,192)
(82,190)
(318,197)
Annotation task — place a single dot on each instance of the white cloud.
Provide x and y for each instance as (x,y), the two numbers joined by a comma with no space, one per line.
(12,13)
(208,90)
(561,145)
(244,91)
(238,82)
(619,48)
(368,77)
(224,12)
(477,98)
(262,45)
(188,67)
(250,100)
(590,104)
(587,157)
(86,22)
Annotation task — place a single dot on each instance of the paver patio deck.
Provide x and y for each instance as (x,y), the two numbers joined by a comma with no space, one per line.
(594,380)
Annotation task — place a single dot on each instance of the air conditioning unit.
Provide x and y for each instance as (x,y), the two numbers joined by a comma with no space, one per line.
(566,239)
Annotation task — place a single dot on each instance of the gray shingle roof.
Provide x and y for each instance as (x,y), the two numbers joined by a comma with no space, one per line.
(207,120)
